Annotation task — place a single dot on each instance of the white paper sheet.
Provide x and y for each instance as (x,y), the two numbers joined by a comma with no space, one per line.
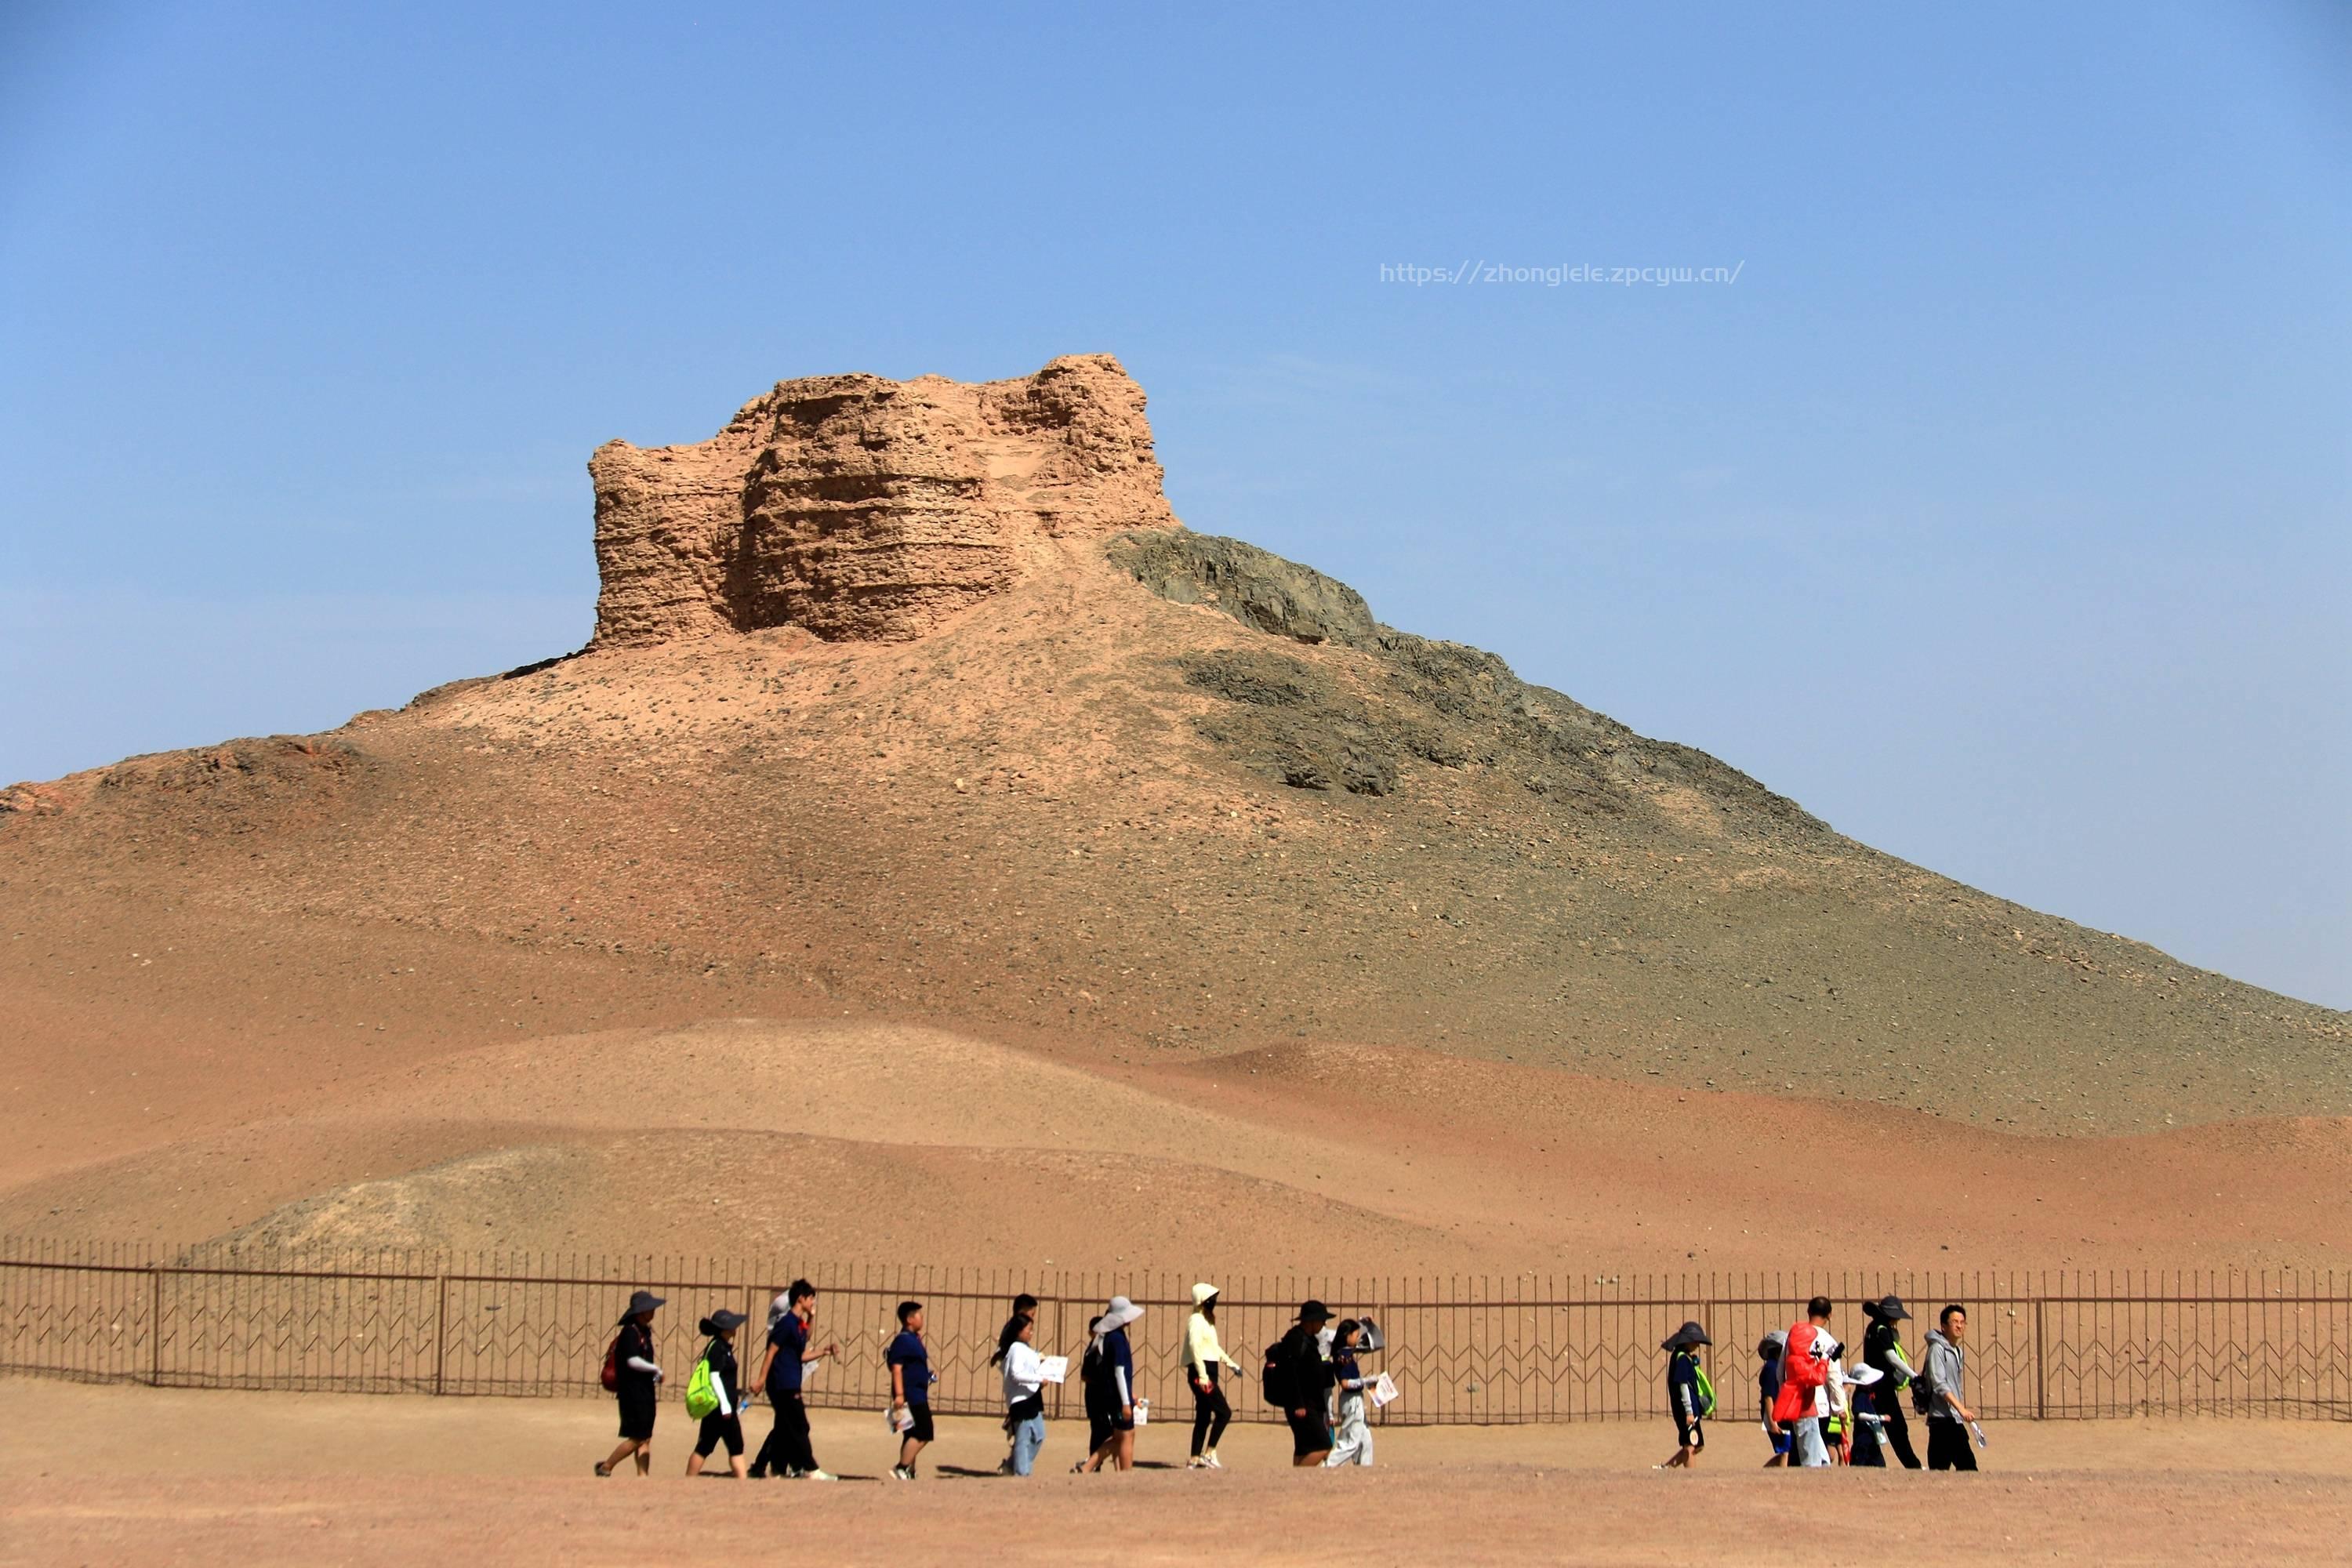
(1383,1391)
(1056,1368)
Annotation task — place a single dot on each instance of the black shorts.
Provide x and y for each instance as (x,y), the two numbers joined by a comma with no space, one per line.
(920,1431)
(637,1405)
(718,1429)
(1308,1435)
(1693,1434)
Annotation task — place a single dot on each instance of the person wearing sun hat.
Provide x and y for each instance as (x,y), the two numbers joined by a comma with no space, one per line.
(1304,1380)
(635,1373)
(1114,1362)
(724,1424)
(1205,1365)
(1882,1348)
(1687,1394)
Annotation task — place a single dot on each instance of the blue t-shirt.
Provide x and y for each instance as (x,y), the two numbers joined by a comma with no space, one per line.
(790,1336)
(907,1350)
(1768,1384)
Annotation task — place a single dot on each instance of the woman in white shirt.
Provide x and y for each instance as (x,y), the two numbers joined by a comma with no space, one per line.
(1025,1390)
(1205,1364)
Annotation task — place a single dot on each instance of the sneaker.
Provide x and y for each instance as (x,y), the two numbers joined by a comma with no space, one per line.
(816,1476)
(902,1472)
(1210,1460)
(792,1473)
(1196,1463)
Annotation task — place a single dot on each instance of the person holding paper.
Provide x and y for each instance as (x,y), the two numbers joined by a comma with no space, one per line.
(909,1361)
(1352,1440)
(788,1452)
(1205,1364)
(1024,1389)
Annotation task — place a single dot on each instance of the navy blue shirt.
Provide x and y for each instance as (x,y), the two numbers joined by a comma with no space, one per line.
(1682,1385)
(907,1350)
(790,1336)
(1768,1384)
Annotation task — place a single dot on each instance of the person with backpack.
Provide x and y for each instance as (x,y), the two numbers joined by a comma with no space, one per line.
(1810,1393)
(1767,1386)
(714,1395)
(1298,1382)
(1881,1352)
(1941,1395)
(911,1390)
(1689,1395)
(632,1373)
(788,1452)
(1351,1438)
(1205,1365)
(1024,1389)
(1024,1306)
(1114,1375)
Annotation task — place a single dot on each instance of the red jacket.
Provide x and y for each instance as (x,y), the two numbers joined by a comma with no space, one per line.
(1804,1367)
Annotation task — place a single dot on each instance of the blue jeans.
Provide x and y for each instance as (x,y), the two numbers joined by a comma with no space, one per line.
(1027,1438)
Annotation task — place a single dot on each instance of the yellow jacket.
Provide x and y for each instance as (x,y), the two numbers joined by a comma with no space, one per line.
(1202,1350)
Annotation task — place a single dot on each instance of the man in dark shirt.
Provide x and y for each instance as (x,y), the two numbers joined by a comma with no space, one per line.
(910,1389)
(788,1452)
(1306,1386)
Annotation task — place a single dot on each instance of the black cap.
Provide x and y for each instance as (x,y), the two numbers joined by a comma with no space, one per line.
(1314,1312)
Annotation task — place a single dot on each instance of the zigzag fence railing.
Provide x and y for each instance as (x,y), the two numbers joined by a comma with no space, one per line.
(1464,1350)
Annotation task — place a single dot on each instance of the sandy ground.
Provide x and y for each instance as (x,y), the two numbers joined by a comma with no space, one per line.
(129,1475)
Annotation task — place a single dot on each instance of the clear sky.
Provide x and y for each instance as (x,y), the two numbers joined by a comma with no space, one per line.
(2000,508)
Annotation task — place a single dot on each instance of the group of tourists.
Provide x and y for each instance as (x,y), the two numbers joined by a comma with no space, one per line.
(1313,1373)
(1817,1410)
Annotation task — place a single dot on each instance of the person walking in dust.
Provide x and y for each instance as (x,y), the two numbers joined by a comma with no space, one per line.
(1206,1365)
(1024,1389)
(633,1375)
(1882,1350)
(1810,1388)
(1298,1373)
(1687,1394)
(787,1451)
(1949,1415)
(1024,1306)
(725,1423)
(1351,1437)
(1114,1365)
(911,1390)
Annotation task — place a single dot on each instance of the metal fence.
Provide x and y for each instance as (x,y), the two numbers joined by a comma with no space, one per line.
(1464,1351)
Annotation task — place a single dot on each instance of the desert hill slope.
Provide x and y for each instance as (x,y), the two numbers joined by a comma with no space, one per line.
(911,701)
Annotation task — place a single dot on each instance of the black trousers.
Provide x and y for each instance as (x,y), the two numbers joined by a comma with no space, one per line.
(1898,1430)
(787,1447)
(1211,1410)
(1947,1446)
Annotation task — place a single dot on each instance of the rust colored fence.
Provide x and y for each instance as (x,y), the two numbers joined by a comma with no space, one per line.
(1463,1350)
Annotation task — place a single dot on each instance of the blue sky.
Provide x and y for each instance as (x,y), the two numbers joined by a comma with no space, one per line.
(1997,510)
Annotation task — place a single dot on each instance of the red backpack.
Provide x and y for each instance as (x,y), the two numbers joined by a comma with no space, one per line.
(1801,1372)
(611,1378)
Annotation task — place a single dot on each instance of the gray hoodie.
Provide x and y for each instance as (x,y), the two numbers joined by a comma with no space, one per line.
(1946,1371)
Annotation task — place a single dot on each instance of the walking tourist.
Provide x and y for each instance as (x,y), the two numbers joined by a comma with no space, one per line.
(788,1451)
(1300,1376)
(1806,1382)
(1025,1388)
(910,1389)
(1351,1441)
(1205,1365)
(1949,1415)
(1882,1350)
(1114,1367)
(1098,1414)
(724,1424)
(1688,1394)
(632,1373)
(1767,1387)
(1025,1305)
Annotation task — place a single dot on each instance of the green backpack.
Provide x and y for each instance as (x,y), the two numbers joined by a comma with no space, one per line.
(1705,1387)
(701,1393)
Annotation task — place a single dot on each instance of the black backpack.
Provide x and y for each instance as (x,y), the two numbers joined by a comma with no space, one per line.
(1923,1390)
(1274,1378)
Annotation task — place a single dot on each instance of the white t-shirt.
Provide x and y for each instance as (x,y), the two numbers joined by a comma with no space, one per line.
(1828,1351)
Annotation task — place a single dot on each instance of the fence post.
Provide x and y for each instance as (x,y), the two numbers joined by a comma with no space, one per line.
(155,1325)
(441,1336)
(2040,1367)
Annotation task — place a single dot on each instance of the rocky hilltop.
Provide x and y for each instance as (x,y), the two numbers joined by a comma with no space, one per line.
(914,699)
(864,509)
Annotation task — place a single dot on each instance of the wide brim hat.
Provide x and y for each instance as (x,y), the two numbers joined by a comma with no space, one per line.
(719,1321)
(1863,1377)
(1204,1293)
(1118,1314)
(1690,1333)
(1888,1307)
(642,1301)
(1314,1312)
